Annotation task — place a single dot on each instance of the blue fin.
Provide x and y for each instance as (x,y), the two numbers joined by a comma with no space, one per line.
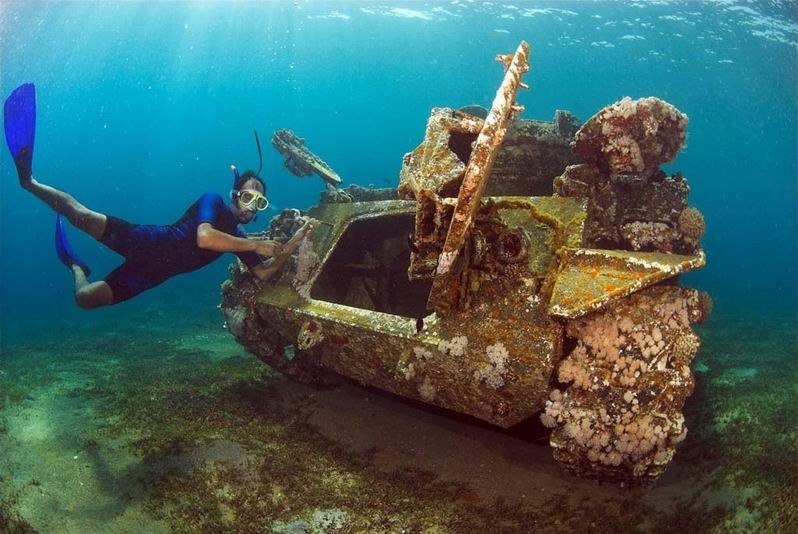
(64,250)
(19,121)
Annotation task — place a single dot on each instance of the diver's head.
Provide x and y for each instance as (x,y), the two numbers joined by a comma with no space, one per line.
(247,196)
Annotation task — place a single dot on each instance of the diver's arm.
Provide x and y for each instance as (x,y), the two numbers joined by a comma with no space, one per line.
(210,238)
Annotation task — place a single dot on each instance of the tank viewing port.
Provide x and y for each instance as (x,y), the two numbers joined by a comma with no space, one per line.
(368,269)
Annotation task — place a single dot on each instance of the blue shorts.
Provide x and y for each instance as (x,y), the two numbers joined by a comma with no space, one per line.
(141,270)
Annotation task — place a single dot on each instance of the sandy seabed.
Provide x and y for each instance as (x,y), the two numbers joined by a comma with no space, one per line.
(155,429)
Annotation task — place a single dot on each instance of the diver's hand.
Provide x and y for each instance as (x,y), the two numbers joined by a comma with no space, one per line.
(267,247)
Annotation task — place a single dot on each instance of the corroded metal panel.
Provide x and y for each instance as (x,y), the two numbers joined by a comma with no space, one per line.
(494,362)
(300,160)
(433,165)
(589,279)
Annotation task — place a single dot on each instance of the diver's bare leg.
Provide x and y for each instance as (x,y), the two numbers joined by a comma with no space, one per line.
(91,222)
(91,295)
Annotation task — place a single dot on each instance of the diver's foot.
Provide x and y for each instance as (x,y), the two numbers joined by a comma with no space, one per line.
(82,266)
(82,269)
(23,164)
(64,250)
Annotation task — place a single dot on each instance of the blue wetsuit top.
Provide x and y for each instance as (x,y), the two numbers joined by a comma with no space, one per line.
(155,253)
(177,242)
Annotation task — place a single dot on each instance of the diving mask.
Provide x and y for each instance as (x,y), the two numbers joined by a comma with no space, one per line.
(251,199)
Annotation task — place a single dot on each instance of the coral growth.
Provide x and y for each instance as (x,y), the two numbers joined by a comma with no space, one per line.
(632,205)
(621,417)
(427,390)
(234,319)
(691,224)
(306,262)
(495,369)
(455,346)
(285,224)
(649,235)
(632,136)
(310,335)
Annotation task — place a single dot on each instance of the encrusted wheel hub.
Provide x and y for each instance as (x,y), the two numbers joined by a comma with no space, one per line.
(629,374)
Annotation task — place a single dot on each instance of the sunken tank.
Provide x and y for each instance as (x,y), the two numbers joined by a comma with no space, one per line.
(521,269)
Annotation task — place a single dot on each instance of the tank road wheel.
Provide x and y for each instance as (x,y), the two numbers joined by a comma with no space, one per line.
(259,335)
(620,418)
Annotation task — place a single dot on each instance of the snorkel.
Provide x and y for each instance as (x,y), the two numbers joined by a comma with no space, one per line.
(239,180)
(234,169)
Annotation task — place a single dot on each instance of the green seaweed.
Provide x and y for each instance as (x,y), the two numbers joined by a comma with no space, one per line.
(10,522)
(749,424)
(173,406)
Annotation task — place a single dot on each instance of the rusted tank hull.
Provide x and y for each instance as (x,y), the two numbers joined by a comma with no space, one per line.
(493,361)
(503,307)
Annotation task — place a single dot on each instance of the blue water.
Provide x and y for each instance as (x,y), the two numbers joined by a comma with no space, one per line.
(143,106)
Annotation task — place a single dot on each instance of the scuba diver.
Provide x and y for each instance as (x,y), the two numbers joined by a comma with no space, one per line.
(153,253)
